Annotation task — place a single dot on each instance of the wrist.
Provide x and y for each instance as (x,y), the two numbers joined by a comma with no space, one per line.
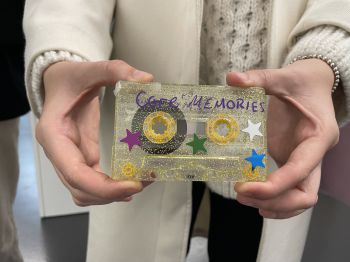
(314,73)
(322,63)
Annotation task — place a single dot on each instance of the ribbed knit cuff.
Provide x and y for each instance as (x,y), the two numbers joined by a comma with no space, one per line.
(225,189)
(36,76)
(333,43)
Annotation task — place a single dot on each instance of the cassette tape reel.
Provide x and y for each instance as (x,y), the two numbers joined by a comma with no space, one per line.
(183,132)
(163,128)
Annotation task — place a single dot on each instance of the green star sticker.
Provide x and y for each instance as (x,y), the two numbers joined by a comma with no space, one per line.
(197,144)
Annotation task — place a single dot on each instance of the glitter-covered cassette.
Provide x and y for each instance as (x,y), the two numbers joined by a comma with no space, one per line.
(189,133)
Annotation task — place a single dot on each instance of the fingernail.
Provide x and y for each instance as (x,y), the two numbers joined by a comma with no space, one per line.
(140,75)
(153,175)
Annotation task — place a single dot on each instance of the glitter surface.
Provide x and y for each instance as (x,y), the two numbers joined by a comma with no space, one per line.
(170,117)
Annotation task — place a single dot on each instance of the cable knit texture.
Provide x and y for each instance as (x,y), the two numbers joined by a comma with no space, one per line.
(41,63)
(234,37)
(334,43)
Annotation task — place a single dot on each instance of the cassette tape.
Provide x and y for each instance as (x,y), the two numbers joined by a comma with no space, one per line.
(189,133)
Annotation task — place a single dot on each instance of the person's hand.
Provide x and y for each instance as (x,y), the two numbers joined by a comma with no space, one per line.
(301,127)
(69,124)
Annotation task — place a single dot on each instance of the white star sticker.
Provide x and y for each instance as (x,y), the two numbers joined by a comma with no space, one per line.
(253,130)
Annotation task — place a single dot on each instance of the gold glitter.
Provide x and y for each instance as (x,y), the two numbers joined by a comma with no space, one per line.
(128,169)
(163,119)
(251,175)
(226,120)
(216,112)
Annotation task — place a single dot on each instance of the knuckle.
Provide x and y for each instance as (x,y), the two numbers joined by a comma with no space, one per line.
(328,132)
(265,76)
(108,195)
(79,202)
(267,193)
(107,67)
(130,192)
(117,65)
(335,134)
(71,181)
(39,132)
(311,201)
(314,200)
(262,195)
(298,170)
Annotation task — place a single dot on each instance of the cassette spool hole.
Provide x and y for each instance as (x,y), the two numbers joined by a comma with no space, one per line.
(222,129)
(159,127)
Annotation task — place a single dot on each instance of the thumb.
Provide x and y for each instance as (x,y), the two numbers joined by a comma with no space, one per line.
(83,81)
(270,79)
(108,73)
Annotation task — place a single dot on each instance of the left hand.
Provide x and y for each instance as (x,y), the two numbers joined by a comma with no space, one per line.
(301,127)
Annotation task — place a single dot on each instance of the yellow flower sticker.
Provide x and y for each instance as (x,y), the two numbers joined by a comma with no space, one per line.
(129,169)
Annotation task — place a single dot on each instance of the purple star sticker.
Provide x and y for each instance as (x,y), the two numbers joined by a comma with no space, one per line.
(132,139)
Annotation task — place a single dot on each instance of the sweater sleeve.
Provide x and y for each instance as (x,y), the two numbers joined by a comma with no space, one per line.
(334,43)
(36,75)
(78,27)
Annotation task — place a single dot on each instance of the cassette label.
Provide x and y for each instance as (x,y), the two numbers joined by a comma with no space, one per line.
(189,132)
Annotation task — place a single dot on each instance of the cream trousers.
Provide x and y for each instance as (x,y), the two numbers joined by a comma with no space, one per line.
(9,171)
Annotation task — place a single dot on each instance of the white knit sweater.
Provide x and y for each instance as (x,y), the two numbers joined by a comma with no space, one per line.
(234,37)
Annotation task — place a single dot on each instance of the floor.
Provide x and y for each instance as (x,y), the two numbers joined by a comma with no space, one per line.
(51,239)
(61,238)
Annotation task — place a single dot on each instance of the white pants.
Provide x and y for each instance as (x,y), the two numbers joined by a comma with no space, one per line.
(9,171)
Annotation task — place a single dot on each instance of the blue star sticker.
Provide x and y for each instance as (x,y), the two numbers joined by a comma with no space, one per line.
(256,160)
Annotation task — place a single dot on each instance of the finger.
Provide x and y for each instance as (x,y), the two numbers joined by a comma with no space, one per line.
(271,80)
(71,164)
(290,201)
(86,203)
(108,73)
(303,160)
(280,215)
(84,199)
(91,76)
(79,197)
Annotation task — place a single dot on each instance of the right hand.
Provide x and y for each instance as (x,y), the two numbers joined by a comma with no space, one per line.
(69,124)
